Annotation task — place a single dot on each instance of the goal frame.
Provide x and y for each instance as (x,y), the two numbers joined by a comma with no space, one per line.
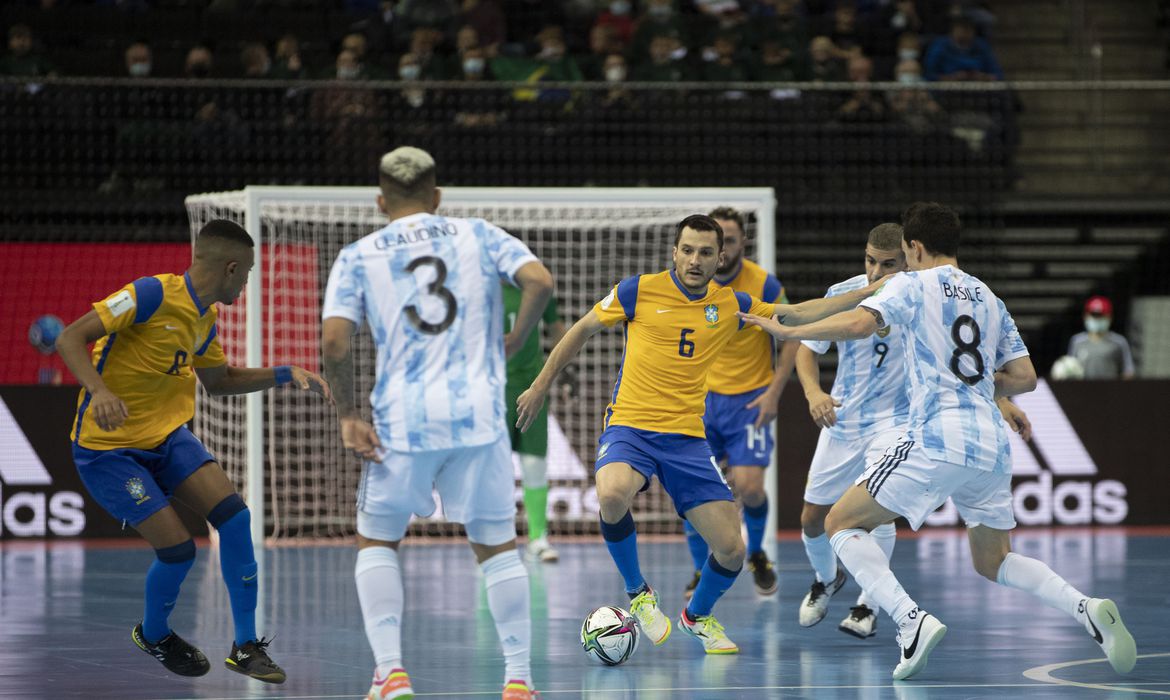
(762,200)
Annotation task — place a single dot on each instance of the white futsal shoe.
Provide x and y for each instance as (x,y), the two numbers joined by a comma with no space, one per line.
(1104,624)
(540,550)
(816,602)
(861,622)
(916,643)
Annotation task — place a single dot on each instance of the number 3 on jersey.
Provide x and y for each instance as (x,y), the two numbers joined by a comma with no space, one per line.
(435,289)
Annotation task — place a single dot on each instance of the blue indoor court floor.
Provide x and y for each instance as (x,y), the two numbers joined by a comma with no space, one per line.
(67,608)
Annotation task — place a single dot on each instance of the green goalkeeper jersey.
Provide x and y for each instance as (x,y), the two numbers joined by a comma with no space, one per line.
(528,361)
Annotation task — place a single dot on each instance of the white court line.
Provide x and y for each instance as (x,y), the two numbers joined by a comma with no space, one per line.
(1043,674)
(577,691)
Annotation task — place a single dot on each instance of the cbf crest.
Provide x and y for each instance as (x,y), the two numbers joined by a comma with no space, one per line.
(136,490)
(711,312)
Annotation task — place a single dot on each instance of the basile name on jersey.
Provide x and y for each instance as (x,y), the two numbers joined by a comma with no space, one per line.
(954,291)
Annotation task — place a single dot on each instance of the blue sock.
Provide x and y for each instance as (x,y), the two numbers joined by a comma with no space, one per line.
(756,520)
(696,544)
(622,540)
(712,585)
(237,562)
(163,580)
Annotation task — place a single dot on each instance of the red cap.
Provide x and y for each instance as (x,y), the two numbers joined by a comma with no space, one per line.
(1099,306)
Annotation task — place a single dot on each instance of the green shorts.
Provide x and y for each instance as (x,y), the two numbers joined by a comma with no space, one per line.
(535,441)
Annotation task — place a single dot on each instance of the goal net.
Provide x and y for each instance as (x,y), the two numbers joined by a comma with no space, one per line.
(283,447)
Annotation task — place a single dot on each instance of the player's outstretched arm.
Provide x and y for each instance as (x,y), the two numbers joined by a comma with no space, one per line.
(529,403)
(821,406)
(356,434)
(225,380)
(1017,376)
(536,286)
(108,410)
(854,324)
(817,309)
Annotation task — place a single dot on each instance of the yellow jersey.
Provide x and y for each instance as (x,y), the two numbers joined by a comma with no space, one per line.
(746,363)
(672,339)
(157,333)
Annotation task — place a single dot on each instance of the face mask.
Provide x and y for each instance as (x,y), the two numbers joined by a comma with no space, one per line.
(347,73)
(898,21)
(621,7)
(140,70)
(551,53)
(661,12)
(907,54)
(473,65)
(615,74)
(1096,325)
(409,72)
(710,54)
(909,78)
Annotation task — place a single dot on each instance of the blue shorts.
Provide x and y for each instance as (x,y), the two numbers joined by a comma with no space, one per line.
(682,463)
(732,433)
(133,484)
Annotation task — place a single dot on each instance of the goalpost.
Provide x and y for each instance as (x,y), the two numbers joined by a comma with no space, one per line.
(284,447)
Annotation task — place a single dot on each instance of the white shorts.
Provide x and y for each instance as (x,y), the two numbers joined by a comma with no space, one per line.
(837,464)
(475,485)
(904,480)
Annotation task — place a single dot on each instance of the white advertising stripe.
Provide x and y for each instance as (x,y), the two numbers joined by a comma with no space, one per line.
(19,463)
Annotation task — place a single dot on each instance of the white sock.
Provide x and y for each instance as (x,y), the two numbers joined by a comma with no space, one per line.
(821,556)
(885,535)
(533,471)
(862,556)
(379,585)
(506,581)
(1033,576)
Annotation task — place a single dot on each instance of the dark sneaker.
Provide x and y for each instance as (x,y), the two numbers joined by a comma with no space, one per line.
(861,622)
(762,573)
(171,651)
(252,659)
(690,589)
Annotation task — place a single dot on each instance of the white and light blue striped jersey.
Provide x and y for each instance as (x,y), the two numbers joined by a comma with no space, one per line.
(429,287)
(871,377)
(958,334)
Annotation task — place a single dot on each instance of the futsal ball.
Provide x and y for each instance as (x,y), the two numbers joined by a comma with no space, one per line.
(43,333)
(1067,367)
(610,635)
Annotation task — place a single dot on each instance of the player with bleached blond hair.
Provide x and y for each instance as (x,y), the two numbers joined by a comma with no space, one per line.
(429,287)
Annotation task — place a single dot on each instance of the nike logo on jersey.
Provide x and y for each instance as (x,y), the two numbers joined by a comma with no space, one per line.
(665,311)
(908,652)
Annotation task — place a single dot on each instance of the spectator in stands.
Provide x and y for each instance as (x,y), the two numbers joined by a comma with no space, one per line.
(347,66)
(864,105)
(618,16)
(480,108)
(900,17)
(351,116)
(488,20)
(616,72)
(22,59)
(909,47)
(199,63)
(961,56)
(466,37)
(288,64)
(357,43)
(779,64)
(423,42)
(662,67)
(139,63)
(843,29)
(913,104)
(256,62)
(603,41)
(1102,353)
(725,68)
(660,19)
(556,63)
(824,64)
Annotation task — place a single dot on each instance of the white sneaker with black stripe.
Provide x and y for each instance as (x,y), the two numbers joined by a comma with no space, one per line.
(1104,624)
(917,640)
(815,605)
(861,622)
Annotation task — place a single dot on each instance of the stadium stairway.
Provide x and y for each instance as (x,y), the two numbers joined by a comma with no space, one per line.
(1101,143)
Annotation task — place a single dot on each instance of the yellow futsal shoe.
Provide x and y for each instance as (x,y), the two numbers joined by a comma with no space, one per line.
(654,624)
(707,630)
(395,686)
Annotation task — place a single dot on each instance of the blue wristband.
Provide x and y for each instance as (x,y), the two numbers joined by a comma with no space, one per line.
(283,374)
